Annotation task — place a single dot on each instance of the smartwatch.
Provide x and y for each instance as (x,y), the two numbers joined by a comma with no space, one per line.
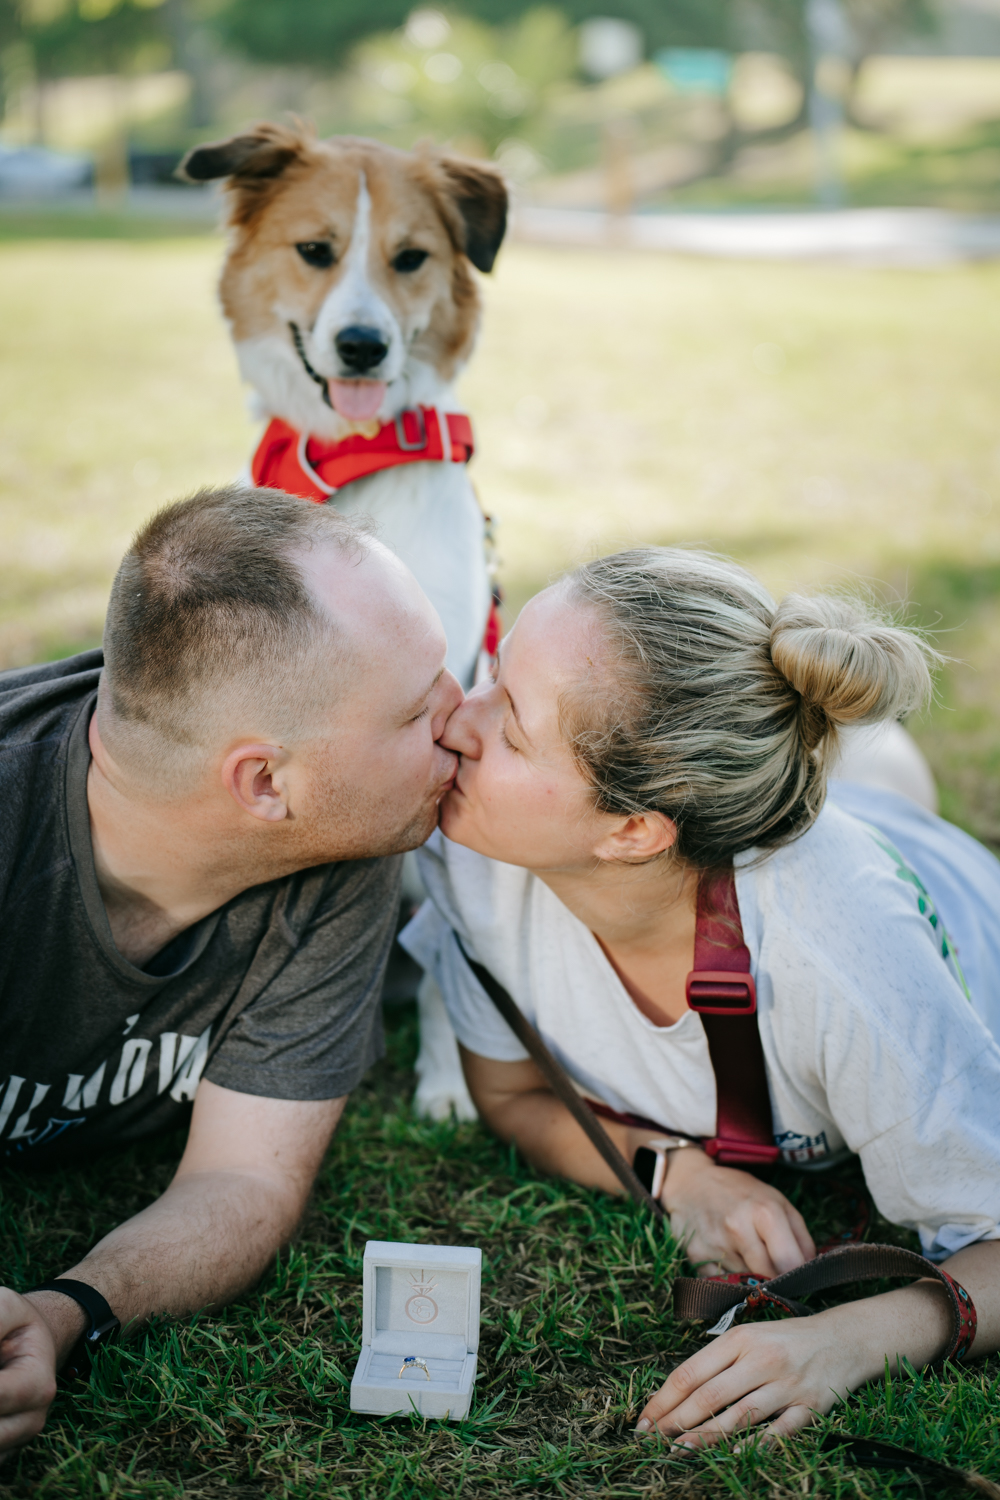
(650,1161)
(103,1323)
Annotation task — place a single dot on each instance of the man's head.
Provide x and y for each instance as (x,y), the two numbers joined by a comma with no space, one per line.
(268,659)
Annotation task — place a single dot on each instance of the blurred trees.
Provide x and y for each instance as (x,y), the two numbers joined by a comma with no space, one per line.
(468,82)
(71,37)
(320,33)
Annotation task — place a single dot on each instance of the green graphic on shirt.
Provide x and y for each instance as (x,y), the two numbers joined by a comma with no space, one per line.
(925,905)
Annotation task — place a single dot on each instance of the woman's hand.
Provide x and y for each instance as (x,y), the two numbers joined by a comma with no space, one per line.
(785,1374)
(728,1220)
(782,1374)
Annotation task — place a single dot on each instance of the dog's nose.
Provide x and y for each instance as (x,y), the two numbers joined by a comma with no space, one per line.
(361,349)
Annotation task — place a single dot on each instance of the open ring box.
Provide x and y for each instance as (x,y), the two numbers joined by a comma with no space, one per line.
(420,1300)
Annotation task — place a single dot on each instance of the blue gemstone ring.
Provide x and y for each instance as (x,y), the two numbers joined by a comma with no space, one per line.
(411,1362)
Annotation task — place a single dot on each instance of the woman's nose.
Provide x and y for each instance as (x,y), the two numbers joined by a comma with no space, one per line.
(461,732)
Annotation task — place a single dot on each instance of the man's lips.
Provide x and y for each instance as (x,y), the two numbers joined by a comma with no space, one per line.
(356,400)
(450,785)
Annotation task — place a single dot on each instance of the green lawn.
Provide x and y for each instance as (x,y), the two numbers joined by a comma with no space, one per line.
(577,1331)
(826,426)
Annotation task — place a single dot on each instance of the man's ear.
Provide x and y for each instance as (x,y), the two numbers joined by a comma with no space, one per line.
(261,153)
(638,838)
(479,195)
(252,775)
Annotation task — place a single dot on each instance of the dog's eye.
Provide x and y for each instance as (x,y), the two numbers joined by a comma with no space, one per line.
(318,253)
(409,260)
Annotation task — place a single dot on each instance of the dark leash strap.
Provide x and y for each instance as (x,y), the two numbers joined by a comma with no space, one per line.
(872,1453)
(559,1082)
(710,1296)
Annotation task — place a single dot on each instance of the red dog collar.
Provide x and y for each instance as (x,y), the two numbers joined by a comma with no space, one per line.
(315,469)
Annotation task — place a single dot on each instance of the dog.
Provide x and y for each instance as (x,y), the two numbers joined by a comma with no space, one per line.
(349,296)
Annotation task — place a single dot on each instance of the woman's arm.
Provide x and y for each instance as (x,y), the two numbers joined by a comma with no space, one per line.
(784,1374)
(725,1218)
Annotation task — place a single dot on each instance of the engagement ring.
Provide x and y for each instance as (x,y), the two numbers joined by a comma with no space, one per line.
(411,1362)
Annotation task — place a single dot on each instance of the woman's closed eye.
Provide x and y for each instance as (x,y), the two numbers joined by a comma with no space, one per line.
(505,741)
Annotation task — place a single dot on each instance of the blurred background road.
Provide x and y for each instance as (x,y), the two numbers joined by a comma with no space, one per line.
(750,298)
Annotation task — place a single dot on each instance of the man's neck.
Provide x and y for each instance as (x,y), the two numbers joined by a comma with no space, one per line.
(161,865)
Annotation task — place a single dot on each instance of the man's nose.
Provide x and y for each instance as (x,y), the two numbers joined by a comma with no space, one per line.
(360,348)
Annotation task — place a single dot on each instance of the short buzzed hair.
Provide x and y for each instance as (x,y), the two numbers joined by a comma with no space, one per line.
(209,608)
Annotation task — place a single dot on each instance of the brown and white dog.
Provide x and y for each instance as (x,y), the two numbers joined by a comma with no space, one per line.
(349,293)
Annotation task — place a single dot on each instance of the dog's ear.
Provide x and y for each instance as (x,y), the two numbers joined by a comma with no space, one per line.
(261,153)
(480,196)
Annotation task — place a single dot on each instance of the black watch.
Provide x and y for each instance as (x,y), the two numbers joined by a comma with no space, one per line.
(103,1323)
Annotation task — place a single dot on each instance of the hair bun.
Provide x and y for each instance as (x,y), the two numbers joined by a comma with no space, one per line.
(849,666)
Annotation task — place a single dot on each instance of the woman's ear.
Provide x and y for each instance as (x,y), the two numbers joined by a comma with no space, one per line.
(638,838)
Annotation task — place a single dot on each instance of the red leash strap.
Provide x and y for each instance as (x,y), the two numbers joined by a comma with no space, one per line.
(315,469)
(708,1297)
(720,988)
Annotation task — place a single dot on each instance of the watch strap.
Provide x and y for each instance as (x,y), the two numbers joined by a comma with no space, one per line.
(103,1323)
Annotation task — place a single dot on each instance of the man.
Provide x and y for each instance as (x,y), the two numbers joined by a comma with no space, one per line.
(196,903)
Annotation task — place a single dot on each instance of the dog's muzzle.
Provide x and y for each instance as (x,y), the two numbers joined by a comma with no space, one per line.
(360,349)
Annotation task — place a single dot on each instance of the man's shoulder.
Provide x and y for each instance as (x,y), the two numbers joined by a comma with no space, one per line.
(38,702)
(325,895)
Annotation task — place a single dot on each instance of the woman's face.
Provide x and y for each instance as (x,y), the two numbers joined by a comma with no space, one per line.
(518,795)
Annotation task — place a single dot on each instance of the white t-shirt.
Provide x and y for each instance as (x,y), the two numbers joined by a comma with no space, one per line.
(870,1040)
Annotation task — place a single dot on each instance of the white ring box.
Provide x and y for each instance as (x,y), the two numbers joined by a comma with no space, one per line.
(420,1300)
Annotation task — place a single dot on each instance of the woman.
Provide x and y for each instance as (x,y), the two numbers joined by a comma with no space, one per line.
(655,717)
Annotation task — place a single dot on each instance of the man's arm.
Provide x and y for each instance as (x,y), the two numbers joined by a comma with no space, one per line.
(724,1218)
(236,1198)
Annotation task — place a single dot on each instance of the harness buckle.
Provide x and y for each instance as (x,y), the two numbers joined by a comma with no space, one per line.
(403,440)
(717,992)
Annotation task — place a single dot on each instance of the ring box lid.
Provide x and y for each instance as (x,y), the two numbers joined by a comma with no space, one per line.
(421,1299)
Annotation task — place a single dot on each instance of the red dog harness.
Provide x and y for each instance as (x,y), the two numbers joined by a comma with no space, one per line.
(315,469)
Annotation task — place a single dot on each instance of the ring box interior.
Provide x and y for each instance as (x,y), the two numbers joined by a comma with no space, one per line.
(421,1301)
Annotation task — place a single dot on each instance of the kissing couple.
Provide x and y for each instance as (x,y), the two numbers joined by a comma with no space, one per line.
(200,866)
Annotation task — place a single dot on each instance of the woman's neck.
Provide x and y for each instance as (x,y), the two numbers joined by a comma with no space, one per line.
(643,916)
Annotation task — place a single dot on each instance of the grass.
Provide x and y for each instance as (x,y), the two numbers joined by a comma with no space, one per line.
(577,1330)
(824,425)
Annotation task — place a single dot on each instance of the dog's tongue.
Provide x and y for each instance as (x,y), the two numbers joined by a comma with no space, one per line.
(357,400)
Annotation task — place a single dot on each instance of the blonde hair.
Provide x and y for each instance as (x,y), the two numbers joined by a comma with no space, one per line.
(720,708)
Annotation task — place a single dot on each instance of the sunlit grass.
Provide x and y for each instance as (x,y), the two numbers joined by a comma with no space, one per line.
(826,425)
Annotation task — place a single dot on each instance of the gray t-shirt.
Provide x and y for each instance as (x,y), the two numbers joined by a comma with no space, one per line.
(94,1051)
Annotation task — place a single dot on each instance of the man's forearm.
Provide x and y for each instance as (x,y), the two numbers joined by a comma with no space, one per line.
(208,1238)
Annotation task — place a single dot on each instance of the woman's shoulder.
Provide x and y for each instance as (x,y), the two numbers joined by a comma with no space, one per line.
(841,900)
(471,890)
(837,845)
(841,881)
